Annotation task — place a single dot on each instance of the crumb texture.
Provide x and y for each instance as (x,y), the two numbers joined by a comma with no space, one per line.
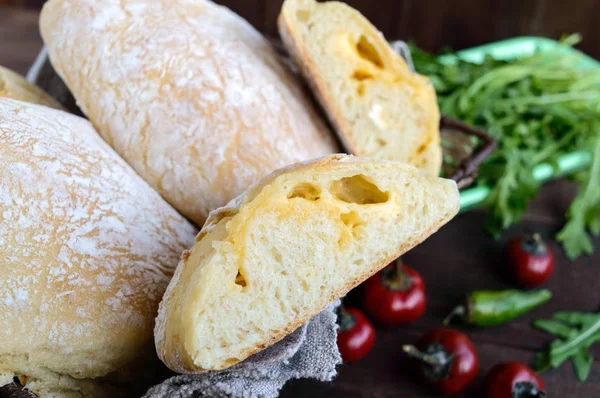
(380,108)
(288,247)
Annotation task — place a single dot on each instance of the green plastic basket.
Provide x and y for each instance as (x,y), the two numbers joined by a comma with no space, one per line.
(509,49)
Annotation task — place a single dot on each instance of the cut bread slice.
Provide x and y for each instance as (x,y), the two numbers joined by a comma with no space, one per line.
(378,106)
(289,246)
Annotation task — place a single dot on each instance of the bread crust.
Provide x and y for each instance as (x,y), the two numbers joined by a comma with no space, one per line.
(178,359)
(316,83)
(187,92)
(87,251)
(299,53)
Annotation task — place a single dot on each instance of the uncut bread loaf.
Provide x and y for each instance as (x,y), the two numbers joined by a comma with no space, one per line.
(87,249)
(186,91)
(378,106)
(13,85)
(286,248)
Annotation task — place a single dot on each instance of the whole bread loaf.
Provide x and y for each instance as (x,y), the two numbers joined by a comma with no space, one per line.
(290,245)
(186,91)
(378,106)
(87,249)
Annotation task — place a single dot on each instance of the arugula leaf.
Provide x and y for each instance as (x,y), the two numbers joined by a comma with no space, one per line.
(538,107)
(553,327)
(582,362)
(583,213)
(576,332)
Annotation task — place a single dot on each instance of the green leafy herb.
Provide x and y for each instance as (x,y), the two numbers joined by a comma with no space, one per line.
(583,213)
(576,332)
(538,107)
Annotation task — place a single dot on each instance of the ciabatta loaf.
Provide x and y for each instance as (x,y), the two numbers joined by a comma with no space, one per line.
(379,107)
(186,91)
(281,252)
(86,251)
(13,85)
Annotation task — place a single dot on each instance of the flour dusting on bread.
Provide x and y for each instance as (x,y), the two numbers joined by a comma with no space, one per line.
(187,92)
(87,248)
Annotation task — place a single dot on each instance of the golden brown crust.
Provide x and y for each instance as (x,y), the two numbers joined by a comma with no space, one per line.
(87,247)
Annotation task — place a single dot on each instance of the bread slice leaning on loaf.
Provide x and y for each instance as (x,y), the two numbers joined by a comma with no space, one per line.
(186,91)
(290,245)
(378,106)
(87,249)
(15,86)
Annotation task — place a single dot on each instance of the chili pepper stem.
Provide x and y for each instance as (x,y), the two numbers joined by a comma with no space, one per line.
(413,352)
(345,319)
(527,390)
(397,278)
(435,361)
(461,310)
(534,244)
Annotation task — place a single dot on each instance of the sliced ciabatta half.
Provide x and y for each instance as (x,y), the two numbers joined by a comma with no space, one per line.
(378,106)
(290,245)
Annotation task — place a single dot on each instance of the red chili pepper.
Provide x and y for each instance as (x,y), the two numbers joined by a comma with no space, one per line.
(531,260)
(394,295)
(448,359)
(356,335)
(513,380)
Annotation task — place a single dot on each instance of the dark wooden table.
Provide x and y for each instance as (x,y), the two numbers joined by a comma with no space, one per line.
(459,258)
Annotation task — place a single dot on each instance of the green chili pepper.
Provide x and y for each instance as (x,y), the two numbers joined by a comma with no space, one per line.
(491,308)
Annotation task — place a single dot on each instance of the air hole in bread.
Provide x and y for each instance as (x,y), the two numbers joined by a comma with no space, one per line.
(231,361)
(357,189)
(351,220)
(304,284)
(240,280)
(361,75)
(302,15)
(305,191)
(360,90)
(276,255)
(423,146)
(381,142)
(367,51)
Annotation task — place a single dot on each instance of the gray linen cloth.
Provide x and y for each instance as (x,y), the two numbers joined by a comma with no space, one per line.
(309,352)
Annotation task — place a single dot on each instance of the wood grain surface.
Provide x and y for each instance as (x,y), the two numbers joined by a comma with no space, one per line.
(460,258)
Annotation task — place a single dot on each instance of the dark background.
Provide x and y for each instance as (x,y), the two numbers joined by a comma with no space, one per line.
(434,24)
(460,257)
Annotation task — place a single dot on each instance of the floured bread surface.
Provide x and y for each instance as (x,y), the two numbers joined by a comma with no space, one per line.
(13,85)
(288,247)
(87,250)
(190,95)
(380,108)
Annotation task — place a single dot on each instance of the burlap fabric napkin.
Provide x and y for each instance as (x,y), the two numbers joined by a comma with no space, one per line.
(309,352)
